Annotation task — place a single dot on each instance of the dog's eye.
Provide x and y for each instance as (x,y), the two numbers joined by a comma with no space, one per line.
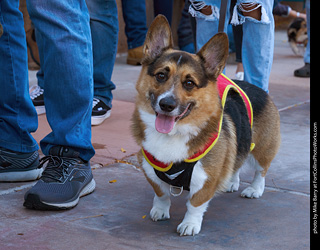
(161,77)
(188,84)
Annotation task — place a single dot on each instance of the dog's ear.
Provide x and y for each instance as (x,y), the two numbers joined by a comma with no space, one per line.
(214,54)
(158,38)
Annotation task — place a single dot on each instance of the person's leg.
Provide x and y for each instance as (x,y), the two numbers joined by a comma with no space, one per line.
(305,70)
(65,48)
(207,15)
(164,7)
(19,157)
(258,39)
(17,114)
(307,53)
(104,33)
(64,41)
(185,35)
(237,35)
(134,15)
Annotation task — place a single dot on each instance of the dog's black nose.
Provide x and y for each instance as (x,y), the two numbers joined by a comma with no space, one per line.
(168,104)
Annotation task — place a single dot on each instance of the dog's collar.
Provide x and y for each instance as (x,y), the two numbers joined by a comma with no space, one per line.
(224,84)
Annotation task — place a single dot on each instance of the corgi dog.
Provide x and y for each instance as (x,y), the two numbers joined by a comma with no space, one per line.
(196,127)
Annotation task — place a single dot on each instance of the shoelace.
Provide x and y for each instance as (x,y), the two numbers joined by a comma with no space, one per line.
(95,102)
(35,91)
(57,168)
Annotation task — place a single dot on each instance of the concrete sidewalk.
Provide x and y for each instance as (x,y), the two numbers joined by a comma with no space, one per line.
(116,215)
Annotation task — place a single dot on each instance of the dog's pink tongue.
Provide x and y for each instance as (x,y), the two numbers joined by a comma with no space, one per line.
(164,123)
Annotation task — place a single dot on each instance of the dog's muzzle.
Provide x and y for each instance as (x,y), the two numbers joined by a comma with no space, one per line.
(168,112)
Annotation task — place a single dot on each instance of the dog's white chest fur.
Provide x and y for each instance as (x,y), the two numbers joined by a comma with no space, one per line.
(170,147)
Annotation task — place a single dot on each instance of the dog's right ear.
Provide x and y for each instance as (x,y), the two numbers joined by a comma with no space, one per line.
(158,39)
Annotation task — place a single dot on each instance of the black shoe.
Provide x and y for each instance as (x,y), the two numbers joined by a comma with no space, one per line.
(303,71)
(15,166)
(37,99)
(100,111)
(65,179)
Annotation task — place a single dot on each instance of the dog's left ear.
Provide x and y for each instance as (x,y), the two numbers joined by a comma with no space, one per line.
(158,38)
(214,54)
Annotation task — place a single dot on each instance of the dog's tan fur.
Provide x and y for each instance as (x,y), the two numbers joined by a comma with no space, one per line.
(222,161)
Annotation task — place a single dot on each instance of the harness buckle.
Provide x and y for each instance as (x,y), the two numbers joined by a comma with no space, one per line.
(175,191)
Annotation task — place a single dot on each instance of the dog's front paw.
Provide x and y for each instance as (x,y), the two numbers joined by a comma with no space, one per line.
(158,213)
(251,192)
(189,228)
(160,209)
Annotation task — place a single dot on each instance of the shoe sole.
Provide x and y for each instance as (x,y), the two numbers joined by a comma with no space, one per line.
(29,175)
(33,201)
(97,120)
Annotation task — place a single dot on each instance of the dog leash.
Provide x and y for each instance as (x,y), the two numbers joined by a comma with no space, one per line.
(223,11)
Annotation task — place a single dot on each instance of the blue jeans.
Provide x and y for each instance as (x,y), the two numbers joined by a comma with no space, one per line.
(104,32)
(65,48)
(134,15)
(258,37)
(164,7)
(307,52)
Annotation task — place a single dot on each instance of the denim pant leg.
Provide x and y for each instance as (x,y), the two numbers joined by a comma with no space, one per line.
(307,52)
(163,7)
(18,117)
(64,39)
(104,32)
(207,25)
(134,15)
(257,43)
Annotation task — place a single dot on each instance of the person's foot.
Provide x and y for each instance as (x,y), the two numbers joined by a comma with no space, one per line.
(15,166)
(36,96)
(135,56)
(66,178)
(100,111)
(303,71)
(239,76)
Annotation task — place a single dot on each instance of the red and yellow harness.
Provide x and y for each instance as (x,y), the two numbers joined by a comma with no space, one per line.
(224,84)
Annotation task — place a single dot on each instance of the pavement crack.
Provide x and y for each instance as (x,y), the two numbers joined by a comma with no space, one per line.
(282,190)
(294,105)
(16,189)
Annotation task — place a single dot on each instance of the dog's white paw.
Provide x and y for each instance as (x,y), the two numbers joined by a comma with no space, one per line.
(191,224)
(251,192)
(234,183)
(158,213)
(189,228)
(232,187)
(255,190)
(160,209)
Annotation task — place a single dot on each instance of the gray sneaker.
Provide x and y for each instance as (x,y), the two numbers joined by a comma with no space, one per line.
(65,179)
(15,166)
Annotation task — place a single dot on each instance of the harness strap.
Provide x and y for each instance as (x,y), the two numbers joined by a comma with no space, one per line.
(179,175)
